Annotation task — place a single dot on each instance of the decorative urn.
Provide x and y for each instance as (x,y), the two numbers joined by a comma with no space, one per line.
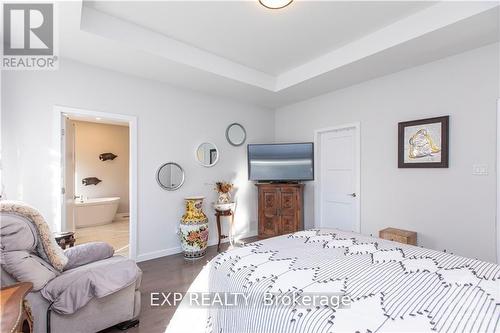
(194,229)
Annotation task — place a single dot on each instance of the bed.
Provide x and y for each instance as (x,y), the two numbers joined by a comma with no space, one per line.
(391,287)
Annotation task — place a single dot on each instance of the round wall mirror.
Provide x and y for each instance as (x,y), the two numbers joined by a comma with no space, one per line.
(236,134)
(170,176)
(207,154)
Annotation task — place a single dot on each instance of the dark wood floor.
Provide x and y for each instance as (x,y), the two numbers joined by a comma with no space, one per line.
(171,273)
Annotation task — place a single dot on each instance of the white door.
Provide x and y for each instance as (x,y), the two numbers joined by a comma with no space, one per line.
(68,182)
(337,189)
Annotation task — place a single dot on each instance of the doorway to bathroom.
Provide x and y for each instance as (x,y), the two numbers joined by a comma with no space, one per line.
(98,185)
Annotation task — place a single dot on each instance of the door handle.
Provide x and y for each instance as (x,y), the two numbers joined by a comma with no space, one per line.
(352,195)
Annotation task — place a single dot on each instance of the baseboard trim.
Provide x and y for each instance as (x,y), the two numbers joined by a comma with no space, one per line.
(226,240)
(158,254)
(121,217)
(174,250)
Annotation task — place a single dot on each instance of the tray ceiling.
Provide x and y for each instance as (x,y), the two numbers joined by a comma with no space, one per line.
(242,51)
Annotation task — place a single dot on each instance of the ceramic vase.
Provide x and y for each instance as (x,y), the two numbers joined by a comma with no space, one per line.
(224,198)
(194,229)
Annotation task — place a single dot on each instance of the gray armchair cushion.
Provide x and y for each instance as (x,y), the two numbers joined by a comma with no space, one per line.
(14,236)
(87,253)
(27,267)
(17,233)
(74,288)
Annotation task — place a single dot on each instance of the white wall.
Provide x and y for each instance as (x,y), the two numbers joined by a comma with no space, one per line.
(91,140)
(171,124)
(458,211)
(449,208)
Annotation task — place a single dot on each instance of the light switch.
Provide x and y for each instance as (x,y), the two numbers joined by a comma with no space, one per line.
(480,169)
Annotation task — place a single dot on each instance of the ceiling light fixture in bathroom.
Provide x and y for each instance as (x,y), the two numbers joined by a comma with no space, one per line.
(275,4)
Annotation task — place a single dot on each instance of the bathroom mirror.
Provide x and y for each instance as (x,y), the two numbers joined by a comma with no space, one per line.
(170,176)
(207,154)
(236,134)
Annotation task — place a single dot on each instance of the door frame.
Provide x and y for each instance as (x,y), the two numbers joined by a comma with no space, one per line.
(497,224)
(317,171)
(60,112)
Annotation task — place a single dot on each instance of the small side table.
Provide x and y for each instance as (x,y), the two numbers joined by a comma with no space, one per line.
(65,238)
(218,214)
(15,311)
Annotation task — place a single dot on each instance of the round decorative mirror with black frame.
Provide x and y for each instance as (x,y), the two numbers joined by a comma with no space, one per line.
(236,134)
(207,154)
(170,176)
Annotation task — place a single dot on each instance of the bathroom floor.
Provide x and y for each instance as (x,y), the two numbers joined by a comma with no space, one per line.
(116,234)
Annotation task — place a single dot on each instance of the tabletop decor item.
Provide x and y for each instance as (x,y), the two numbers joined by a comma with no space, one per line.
(224,192)
(423,143)
(194,229)
(64,239)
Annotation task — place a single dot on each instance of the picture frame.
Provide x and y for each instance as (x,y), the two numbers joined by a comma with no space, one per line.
(424,143)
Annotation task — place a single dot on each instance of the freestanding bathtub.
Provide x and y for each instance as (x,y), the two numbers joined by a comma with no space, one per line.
(95,211)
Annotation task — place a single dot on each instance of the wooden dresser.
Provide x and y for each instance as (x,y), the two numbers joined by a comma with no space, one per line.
(281,209)
(399,235)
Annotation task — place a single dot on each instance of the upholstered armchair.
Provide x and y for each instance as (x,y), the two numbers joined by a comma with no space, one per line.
(82,289)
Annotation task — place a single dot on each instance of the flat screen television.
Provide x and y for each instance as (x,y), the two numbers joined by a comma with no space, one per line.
(281,162)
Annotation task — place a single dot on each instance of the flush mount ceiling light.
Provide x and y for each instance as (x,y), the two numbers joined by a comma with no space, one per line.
(275,4)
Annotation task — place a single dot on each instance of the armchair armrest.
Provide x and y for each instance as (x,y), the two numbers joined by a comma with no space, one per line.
(83,254)
(74,288)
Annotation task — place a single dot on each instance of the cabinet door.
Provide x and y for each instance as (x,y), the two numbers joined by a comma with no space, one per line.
(269,217)
(288,210)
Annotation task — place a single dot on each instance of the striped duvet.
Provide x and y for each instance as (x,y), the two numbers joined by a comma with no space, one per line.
(391,287)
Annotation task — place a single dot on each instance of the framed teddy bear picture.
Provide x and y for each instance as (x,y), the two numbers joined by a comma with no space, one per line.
(423,143)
